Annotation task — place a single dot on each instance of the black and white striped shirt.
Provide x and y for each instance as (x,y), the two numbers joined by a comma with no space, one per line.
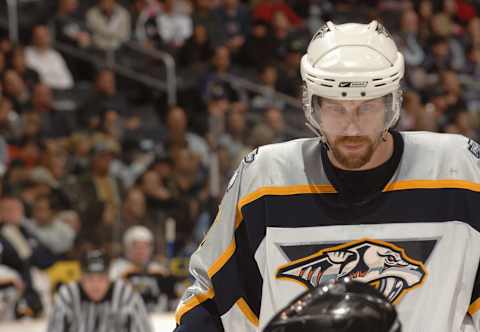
(121,310)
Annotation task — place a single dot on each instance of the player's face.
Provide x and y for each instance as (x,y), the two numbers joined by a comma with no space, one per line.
(352,129)
(95,285)
(140,252)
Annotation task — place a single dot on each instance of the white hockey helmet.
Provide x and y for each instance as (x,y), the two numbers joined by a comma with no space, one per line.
(137,233)
(352,62)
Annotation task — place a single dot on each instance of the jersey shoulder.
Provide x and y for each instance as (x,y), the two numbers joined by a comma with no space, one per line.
(442,144)
(442,155)
(283,164)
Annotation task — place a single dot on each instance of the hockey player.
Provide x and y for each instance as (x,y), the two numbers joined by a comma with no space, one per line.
(96,304)
(152,280)
(340,305)
(398,210)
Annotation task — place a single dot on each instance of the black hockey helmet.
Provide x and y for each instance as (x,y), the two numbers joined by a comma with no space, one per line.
(338,306)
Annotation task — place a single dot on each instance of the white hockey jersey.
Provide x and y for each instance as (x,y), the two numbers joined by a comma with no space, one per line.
(282,228)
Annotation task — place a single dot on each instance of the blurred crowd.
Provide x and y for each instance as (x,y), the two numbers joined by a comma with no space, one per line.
(86,153)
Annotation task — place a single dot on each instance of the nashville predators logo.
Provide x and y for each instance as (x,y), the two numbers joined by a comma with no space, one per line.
(381,264)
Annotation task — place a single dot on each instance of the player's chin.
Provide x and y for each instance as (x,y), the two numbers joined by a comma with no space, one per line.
(353,158)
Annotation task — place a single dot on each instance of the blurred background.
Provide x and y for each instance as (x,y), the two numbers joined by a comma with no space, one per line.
(120,113)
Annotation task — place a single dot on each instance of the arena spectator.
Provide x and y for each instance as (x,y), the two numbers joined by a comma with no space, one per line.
(152,280)
(100,196)
(269,78)
(205,14)
(236,135)
(19,64)
(412,106)
(197,50)
(267,9)
(453,91)
(178,135)
(235,18)
(10,123)
(443,26)
(15,228)
(259,48)
(18,297)
(473,32)
(191,195)
(274,119)
(463,123)
(55,234)
(49,63)
(168,29)
(157,190)
(53,123)
(134,210)
(15,89)
(71,30)
(110,25)
(69,27)
(3,63)
(409,44)
(104,98)
(289,78)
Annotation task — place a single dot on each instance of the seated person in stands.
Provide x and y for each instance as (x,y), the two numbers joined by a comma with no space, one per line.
(14,229)
(148,277)
(18,297)
(47,61)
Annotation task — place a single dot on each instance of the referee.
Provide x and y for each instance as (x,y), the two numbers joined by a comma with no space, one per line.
(97,304)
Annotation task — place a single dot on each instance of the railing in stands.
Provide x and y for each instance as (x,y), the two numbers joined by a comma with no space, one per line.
(12,20)
(170,66)
(169,85)
(293,114)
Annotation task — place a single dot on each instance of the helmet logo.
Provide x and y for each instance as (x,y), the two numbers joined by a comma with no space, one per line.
(381,264)
(348,84)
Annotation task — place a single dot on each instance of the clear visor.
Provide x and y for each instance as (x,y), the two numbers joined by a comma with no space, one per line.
(352,117)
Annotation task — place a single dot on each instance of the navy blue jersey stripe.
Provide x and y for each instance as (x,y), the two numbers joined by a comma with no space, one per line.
(239,277)
(414,205)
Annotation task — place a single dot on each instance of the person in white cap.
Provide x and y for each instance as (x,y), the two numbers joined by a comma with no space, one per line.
(397,210)
(151,279)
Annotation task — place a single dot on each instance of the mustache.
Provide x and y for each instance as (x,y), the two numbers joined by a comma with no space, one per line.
(353,139)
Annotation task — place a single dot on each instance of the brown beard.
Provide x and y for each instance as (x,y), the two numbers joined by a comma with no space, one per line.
(353,162)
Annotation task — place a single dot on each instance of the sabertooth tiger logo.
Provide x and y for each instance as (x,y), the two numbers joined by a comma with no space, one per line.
(381,264)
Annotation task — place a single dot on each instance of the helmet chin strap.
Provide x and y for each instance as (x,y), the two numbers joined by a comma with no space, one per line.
(323,138)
